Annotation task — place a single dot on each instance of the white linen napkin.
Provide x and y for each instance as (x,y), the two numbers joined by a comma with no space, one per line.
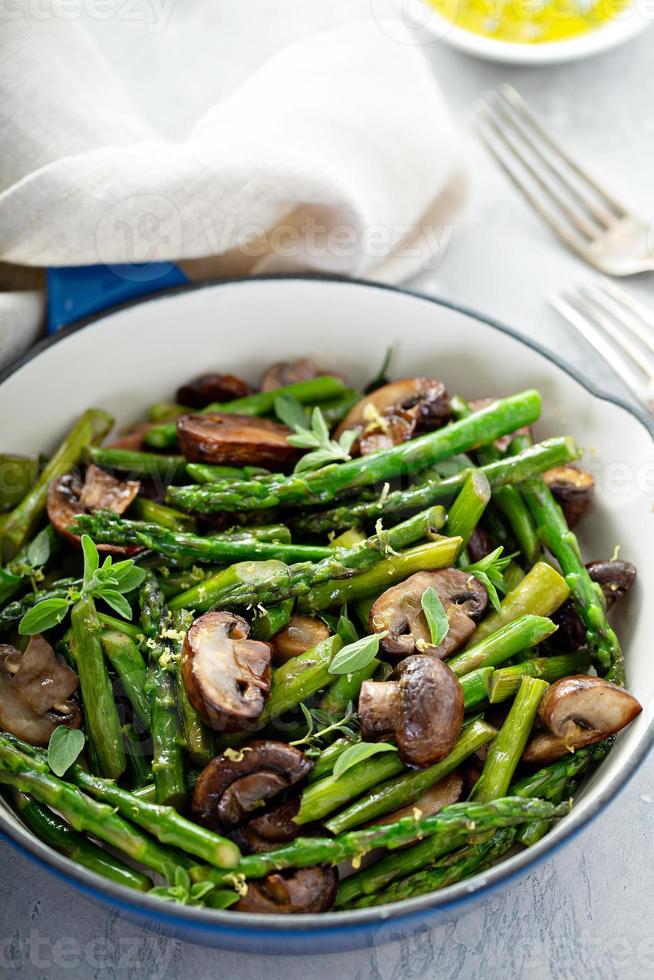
(337,155)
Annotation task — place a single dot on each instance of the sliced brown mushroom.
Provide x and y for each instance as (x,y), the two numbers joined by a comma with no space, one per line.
(132,438)
(226,675)
(573,490)
(301,634)
(615,577)
(395,412)
(68,497)
(292,892)
(421,708)
(272,829)
(579,711)
(35,690)
(399,611)
(444,793)
(208,388)
(291,372)
(235,440)
(244,781)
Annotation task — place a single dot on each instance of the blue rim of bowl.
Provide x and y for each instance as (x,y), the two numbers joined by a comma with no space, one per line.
(400,915)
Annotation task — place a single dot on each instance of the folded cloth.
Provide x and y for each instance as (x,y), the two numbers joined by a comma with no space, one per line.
(338,155)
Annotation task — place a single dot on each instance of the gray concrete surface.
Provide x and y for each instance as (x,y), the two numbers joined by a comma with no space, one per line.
(587,913)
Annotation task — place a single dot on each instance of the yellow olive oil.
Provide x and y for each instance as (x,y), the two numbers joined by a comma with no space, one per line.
(529,21)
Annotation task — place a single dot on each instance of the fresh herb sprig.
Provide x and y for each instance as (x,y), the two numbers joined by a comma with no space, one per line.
(490,572)
(109,582)
(435,615)
(64,748)
(183,891)
(315,437)
(315,737)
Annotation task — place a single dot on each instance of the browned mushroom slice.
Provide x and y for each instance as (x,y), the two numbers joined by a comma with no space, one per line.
(235,440)
(226,675)
(395,412)
(35,690)
(290,373)
(573,490)
(292,892)
(68,497)
(236,784)
(444,793)
(133,438)
(270,830)
(578,711)
(421,708)
(208,388)
(615,578)
(301,634)
(480,544)
(399,611)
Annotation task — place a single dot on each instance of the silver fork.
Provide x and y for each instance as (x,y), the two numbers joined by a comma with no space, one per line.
(585,216)
(620,328)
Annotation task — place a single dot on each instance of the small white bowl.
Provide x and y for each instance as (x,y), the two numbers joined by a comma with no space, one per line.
(630,22)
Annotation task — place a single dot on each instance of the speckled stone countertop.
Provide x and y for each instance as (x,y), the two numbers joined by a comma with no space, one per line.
(586,913)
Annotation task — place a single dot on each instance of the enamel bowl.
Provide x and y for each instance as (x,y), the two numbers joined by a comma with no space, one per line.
(139,354)
(628,24)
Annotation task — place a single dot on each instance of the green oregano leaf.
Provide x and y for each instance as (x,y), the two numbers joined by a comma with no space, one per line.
(356,655)
(64,748)
(435,615)
(43,616)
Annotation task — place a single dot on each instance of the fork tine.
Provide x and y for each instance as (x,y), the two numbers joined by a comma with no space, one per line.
(622,315)
(599,316)
(520,104)
(504,128)
(600,218)
(587,328)
(628,301)
(505,158)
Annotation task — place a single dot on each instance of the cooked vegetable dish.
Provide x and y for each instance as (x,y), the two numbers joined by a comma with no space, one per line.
(303,648)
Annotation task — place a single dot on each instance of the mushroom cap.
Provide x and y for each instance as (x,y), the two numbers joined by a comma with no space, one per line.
(226,675)
(431,710)
(291,372)
(207,388)
(399,611)
(393,413)
(296,891)
(302,633)
(232,787)
(68,497)
(583,702)
(614,576)
(422,708)
(235,440)
(578,711)
(35,690)
(573,490)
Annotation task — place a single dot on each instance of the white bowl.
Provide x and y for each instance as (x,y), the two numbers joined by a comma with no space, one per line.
(628,24)
(141,353)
